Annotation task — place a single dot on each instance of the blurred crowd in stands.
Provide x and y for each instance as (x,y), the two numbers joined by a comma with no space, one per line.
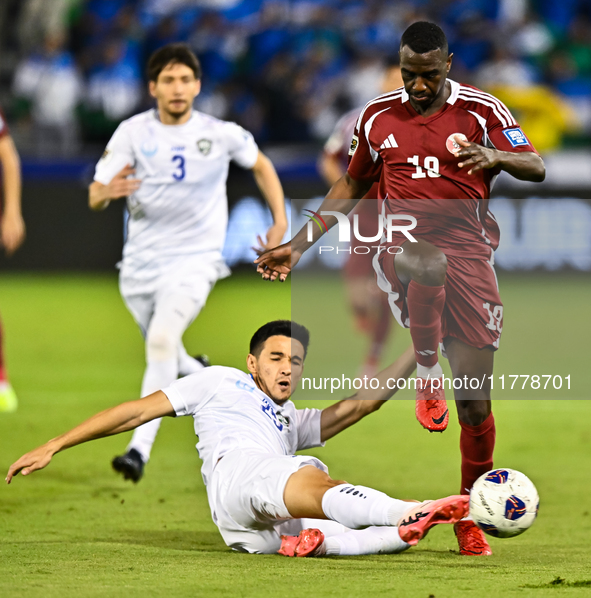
(284,69)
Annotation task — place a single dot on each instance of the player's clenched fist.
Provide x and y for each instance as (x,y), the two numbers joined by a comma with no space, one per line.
(120,186)
(277,262)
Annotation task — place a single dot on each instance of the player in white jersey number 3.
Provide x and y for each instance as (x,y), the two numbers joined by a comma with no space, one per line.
(264,498)
(172,164)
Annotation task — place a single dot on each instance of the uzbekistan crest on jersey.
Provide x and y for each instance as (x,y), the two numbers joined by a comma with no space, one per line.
(354,144)
(204,146)
(516,137)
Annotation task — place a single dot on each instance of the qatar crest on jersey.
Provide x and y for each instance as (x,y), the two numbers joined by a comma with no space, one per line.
(204,146)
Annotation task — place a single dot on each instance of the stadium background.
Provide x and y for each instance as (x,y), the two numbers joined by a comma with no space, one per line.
(70,70)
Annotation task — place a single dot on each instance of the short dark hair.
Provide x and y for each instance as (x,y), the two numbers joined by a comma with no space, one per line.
(172,54)
(279,328)
(422,37)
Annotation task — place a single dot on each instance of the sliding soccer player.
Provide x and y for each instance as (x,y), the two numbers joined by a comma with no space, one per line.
(263,498)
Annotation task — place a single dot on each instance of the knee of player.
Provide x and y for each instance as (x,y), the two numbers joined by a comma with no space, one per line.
(431,269)
(160,346)
(473,412)
(330,483)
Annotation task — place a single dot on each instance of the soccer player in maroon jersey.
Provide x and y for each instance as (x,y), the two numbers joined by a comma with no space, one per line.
(12,233)
(435,146)
(369,305)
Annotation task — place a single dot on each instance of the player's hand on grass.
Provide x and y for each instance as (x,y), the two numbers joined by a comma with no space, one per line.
(12,232)
(121,186)
(277,262)
(477,157)
(36,459)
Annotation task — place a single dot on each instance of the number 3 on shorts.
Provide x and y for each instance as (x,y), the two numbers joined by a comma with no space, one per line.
(495,317)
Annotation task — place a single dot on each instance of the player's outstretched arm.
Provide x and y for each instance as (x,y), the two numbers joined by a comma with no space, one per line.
(342,197)
(122,418)
(100,196)
(270,187)
(12,226)
(525,166)
(347,412)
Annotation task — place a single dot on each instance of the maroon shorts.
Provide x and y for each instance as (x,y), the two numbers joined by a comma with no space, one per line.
(473,311)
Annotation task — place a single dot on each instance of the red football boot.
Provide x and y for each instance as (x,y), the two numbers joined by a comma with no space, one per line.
(288,545)
(420,518)
(308,543)
(471,539)
(431,407)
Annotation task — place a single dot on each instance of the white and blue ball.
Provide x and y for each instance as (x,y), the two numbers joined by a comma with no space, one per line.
(504,503)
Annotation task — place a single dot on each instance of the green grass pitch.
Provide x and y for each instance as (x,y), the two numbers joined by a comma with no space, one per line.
(76,529)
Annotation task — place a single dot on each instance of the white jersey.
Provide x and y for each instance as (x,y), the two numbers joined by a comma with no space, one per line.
(181,206)
(231,413)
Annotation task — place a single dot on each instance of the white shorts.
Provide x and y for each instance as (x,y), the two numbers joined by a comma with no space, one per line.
(192,276)
(245,495)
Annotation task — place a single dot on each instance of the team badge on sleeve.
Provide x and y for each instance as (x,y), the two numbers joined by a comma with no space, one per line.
(354,144)
(516,137)
(204,146)
(106,157)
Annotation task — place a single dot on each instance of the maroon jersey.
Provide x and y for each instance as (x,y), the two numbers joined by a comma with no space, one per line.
(3,126)
(412,158)
(339,141)
(368,211)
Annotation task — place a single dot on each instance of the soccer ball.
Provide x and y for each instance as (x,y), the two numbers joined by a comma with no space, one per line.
(503,503)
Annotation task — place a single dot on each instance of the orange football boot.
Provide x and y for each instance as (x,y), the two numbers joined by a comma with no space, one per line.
(421,517)
(308,543)
(471,539)
(431,407)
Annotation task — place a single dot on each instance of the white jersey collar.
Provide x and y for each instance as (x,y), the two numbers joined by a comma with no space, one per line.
(455,90)
(156,117)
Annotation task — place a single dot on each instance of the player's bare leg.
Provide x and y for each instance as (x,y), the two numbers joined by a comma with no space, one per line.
(477,438)
(8,401)
(421,268)
(311,493)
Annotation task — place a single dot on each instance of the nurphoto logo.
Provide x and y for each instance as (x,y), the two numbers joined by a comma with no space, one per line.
(386,225)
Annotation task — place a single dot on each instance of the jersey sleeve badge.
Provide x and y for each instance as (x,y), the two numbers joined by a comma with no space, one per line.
(516,137)
(354,144)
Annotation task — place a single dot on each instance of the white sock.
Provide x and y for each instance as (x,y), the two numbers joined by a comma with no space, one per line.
(372,540)
(358,506)
(428,372)
(187,364)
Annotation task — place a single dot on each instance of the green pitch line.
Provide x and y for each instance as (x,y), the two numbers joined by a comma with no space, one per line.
(78,530)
